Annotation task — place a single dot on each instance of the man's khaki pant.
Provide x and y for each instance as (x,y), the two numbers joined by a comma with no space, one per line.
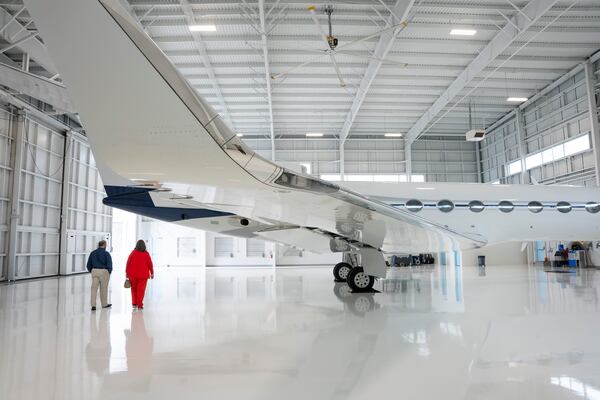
(100,277)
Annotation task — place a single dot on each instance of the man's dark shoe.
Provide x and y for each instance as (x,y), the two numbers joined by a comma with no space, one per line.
(93,308)
(107,306)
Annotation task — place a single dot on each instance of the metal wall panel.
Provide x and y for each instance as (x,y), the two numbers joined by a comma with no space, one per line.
(54,225)
(440,159)
(6,162)
(255,248)
(40,194)
(444,160)
(88,220)
(559,115)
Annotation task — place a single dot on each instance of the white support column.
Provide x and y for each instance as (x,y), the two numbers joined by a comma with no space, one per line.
(342,160)
(18,133)
(265,50)
(25,62)
(478,158)
(408,160)
(590,82)
(520,124)
(64,207)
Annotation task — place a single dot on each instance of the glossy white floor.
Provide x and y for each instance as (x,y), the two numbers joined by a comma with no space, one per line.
(439,333)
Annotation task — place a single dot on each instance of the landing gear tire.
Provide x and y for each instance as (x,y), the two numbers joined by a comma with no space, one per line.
(342,291)
(361,304)
(340,271)
(359,281)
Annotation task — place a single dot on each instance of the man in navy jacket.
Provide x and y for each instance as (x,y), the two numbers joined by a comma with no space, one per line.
(100,265)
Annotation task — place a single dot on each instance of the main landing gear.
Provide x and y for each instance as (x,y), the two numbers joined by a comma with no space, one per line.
(340,271)
(355,276)
(359,281)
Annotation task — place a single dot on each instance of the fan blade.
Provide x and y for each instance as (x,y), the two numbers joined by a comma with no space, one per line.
(371,36)
(369,57)
(312,60)
(337,70)
(313,16)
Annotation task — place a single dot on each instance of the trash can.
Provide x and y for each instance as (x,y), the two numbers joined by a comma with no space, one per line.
(481,261)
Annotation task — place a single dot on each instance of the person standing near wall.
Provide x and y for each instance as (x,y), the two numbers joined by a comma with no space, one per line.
(139,269)
(100,266)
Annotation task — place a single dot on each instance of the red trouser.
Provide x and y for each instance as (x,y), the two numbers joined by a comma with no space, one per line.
(138,289)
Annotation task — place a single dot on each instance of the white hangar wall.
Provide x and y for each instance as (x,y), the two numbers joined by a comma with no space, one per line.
(51,211)
(550,138)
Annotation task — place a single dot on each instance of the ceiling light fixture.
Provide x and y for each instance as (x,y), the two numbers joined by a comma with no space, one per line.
(517,99)
(239,134)
(202,28)
(392,134)
(463,32)
(314,134)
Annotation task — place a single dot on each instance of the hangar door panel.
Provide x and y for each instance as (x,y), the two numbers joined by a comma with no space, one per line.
(6,139)
(88,220)
(37,246)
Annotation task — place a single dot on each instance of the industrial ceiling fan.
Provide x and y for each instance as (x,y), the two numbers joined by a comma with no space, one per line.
(333,46)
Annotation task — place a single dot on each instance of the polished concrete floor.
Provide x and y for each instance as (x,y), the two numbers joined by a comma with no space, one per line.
(445,332)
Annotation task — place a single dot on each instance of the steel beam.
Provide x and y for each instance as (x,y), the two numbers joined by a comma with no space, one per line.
(520,125)
(265,50)
(521,21)
(590,83)
(478,160)
(342,161)
(201,49)
(408,160)
(64,204)
(40,88)
(14,32)
(386,41)
(18,135)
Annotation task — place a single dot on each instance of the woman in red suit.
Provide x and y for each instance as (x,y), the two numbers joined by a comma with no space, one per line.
(139,269)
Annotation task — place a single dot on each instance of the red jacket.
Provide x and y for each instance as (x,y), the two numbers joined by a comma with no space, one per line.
(139,265)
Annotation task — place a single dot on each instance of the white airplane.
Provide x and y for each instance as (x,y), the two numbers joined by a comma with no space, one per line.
(163,152)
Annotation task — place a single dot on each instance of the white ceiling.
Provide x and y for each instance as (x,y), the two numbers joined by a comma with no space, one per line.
(310,98)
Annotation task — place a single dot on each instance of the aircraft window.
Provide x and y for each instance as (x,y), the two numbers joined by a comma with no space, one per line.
(506,206)
(445,206)
(592,207)
(414,205)
(535,207)
(563,207)
(476,206)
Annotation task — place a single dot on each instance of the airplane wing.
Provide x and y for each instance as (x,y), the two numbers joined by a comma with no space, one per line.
(147,124)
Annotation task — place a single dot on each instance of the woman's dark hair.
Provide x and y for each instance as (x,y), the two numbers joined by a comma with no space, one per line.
(140,245)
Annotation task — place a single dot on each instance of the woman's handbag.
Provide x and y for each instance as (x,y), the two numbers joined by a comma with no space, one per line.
(127,283)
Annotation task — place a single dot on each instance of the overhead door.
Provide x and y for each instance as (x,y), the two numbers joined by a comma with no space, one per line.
(40,192)
(5,183)
(88,220)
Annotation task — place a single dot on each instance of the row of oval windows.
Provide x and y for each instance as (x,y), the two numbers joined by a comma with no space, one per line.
(504,206)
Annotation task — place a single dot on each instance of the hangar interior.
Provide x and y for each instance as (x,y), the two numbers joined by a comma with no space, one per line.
(390,102)
(416,90)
